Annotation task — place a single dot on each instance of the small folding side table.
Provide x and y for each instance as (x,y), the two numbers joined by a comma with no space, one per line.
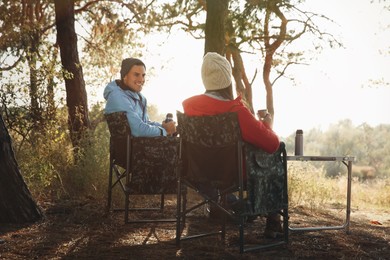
(347,161)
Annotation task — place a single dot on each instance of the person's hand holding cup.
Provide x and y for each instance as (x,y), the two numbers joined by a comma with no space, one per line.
(261,113)
(265,117)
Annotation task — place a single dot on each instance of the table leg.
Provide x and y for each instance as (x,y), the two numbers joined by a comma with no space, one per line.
(349,166)
(348,208)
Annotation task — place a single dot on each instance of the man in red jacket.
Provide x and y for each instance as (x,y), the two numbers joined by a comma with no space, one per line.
(218,98)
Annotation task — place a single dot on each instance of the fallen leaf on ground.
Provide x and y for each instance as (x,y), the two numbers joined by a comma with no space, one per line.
(375,222)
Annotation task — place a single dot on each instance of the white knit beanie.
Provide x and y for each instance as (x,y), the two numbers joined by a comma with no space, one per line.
(216,71)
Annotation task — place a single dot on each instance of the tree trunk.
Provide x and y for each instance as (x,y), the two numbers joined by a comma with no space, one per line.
(215,26)
(35,111)
(16,202)
(270,49)
(216,38)
(51,84)
(76,95)
(30,29)
(243,86)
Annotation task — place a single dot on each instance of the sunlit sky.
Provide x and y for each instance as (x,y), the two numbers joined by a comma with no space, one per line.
(334,87)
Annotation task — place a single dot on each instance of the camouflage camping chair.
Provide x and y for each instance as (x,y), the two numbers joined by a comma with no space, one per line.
(213,155)
(140,166)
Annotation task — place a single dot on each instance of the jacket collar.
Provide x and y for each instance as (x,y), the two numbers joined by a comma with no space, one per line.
(128,90)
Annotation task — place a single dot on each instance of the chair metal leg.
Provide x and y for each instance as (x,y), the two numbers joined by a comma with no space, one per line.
(109,196)
(223,227)
(184,205)
(127,202)
(285,224)
(178,213)
(162,201)
(241,233)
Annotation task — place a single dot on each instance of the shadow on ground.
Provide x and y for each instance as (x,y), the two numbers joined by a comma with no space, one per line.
(83,230)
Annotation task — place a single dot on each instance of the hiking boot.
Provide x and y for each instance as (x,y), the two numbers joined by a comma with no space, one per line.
(273,226)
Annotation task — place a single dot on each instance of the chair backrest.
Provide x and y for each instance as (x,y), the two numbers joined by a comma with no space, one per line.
(118,124)
(211,148)
(154,162)
(119,134)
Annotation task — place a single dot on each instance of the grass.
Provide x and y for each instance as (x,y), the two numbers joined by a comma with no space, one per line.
(309,187)
(50,171)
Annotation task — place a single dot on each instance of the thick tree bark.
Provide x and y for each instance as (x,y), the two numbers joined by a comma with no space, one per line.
(76,95)
(216,39)
(16,202)
(215,26)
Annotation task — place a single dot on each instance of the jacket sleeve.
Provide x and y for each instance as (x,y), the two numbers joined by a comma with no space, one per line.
(118,102)
(256,132)
(139,127)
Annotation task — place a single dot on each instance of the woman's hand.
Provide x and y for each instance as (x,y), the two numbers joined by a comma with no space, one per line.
(268,120)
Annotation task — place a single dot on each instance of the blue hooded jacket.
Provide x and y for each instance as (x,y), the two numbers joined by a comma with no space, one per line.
(135,106)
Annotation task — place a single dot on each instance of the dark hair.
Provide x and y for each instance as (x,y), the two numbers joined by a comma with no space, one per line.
(226,93)
(128,63)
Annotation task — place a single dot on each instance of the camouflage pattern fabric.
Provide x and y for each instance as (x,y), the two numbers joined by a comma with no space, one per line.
(153,159)
(266,179)
(218,130)
(154,162)
(117,124)
(119,131)
(265,172)
(210,140)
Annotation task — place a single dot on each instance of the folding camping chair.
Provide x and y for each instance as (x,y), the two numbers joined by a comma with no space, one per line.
(140,166)
(212,156)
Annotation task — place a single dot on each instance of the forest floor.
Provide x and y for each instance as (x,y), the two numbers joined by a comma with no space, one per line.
(82,229)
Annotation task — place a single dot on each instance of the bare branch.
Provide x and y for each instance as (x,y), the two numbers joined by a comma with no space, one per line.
(86,6)
(282,73)
(254,77)
(12,66)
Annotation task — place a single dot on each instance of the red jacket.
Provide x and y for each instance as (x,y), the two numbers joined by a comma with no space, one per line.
(253,131)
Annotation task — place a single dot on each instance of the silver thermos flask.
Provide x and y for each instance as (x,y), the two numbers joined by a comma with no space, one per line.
(299,142)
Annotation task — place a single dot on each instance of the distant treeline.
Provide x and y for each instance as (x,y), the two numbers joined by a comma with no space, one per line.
(369,145)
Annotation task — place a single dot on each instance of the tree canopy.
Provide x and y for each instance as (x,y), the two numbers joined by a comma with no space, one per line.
(270,30)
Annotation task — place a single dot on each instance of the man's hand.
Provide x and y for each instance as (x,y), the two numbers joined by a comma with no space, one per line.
(170,127)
